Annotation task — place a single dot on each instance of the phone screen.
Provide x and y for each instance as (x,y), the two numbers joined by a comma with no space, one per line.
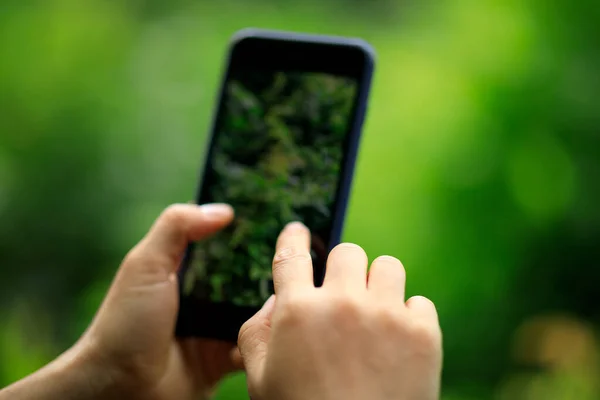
(276,156)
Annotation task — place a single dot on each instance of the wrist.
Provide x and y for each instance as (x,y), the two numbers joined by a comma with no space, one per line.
(85,375)
(83,371)
(73,375)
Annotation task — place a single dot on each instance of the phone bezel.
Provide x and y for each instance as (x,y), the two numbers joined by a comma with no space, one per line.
(277,50)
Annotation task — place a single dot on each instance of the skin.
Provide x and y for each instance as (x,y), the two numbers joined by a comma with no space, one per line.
(354,338)
(129,351)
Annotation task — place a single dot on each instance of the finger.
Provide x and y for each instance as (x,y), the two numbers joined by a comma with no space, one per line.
(346,268)
(180,224)
(387,279)
(292,264)
(254,337)
(422,307)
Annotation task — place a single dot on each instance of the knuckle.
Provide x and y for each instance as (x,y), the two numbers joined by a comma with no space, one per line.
(143,265)
(173,214)
(390,320)
(294,311)
(132,256)
(135,256)
(345,308)
(289,255)
(428,337)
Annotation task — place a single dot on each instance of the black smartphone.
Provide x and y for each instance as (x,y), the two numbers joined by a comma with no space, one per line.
(282,148)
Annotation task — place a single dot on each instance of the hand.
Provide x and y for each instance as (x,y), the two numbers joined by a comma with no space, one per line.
(133,332)
(130,351)
(353,338)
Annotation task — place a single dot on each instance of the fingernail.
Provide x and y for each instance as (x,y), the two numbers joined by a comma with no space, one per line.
(296,225)
(216,210)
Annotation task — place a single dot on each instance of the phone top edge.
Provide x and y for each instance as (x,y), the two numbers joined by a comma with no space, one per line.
(280,35)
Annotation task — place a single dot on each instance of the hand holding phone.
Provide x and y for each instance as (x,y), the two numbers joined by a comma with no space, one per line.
(353,338)
(282,148)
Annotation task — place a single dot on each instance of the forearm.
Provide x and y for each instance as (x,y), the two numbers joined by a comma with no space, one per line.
(69,377)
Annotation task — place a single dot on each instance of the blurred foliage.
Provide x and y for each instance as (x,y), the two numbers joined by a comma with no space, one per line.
(277,158)
(478,167)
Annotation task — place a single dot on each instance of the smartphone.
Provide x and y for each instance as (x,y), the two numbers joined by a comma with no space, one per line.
(282,148)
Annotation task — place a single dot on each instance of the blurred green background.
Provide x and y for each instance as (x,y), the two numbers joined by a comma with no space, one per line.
(479,166)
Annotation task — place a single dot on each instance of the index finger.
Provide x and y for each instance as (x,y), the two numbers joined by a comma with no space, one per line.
(292,264)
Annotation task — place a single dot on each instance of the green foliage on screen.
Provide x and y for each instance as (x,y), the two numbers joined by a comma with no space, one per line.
(277,158)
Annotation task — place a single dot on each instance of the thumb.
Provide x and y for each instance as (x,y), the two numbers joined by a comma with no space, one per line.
(159,253)
(137,318)
(254,337)
(180,224)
